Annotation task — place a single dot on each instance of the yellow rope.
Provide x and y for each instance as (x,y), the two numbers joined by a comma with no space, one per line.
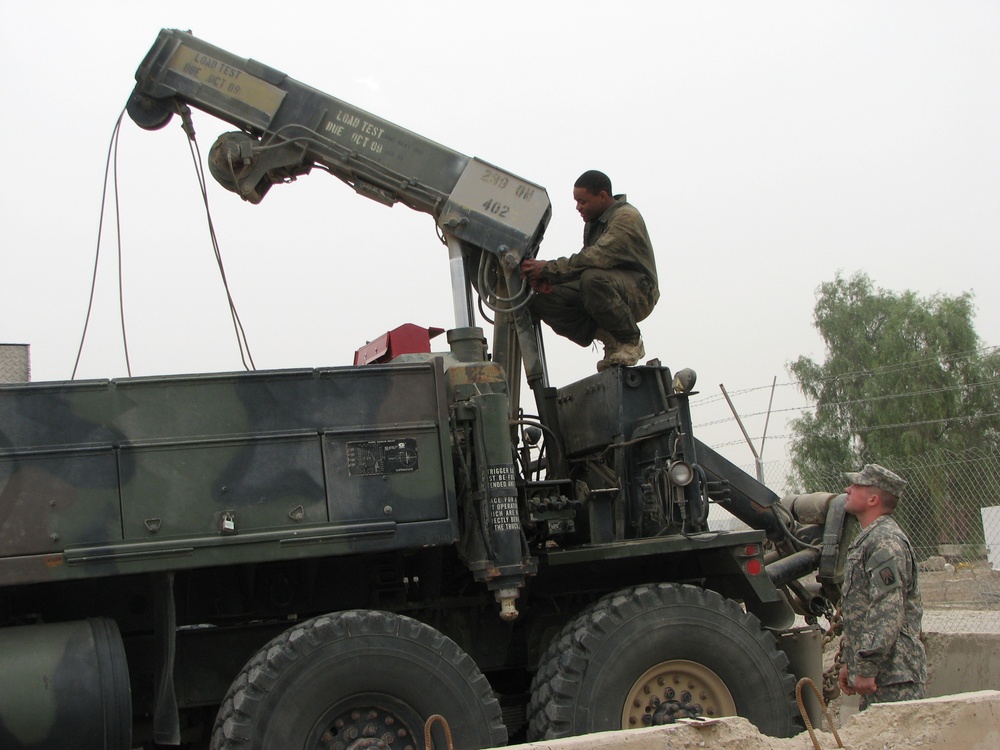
(805,714)
(427,731)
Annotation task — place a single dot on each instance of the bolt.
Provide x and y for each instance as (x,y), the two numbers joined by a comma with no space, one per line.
(646,690)
(637,703)
(352,733)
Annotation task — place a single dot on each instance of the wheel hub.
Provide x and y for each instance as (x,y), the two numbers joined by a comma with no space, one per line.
(676,689)
(361,728)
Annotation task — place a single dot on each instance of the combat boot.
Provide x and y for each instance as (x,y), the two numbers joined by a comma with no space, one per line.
(611,345)
(627,354)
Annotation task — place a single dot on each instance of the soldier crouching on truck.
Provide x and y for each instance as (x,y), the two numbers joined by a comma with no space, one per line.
(601,292)
(883,657)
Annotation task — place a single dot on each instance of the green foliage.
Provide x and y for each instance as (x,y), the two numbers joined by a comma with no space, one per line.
(903,376)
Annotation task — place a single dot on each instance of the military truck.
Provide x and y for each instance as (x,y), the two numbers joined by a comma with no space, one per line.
(398,551)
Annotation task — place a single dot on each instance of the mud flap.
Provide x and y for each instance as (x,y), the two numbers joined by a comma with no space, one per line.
(804,649)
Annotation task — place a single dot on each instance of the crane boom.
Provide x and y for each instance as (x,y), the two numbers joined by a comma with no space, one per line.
(287,127)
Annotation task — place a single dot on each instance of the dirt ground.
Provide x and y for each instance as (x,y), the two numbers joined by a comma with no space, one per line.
(969,586)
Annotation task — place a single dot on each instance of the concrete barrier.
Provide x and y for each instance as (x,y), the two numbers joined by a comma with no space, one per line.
(970,721)
(962,712)
(962,663)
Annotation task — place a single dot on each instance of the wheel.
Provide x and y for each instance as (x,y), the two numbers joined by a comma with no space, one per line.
(617,664)
(358,679)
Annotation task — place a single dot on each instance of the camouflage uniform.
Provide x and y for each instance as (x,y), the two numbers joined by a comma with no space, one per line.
(610,284)
(882,614)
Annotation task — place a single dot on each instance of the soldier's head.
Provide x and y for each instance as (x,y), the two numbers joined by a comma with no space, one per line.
(874,491)
(593,194)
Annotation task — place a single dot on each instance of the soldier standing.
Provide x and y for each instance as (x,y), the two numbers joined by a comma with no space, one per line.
(605,289)
(883,657)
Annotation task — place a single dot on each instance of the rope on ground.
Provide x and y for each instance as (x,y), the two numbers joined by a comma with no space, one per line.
(805,714)
(427,731)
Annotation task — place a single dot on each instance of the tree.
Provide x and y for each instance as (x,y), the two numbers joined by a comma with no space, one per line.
(903,377)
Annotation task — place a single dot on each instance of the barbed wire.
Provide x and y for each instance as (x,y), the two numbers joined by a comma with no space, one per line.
(856,402)
(876,371)
(871,428)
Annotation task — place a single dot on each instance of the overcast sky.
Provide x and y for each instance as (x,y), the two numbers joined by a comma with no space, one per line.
(769,145)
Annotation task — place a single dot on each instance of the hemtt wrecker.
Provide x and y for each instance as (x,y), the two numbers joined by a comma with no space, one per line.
(330,558)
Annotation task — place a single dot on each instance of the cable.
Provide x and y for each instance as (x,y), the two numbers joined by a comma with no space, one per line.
(112,149)
(486,292)
(112,163)
(118,235)
(241,338)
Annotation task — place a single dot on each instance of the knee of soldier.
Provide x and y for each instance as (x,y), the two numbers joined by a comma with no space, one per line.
(597,283)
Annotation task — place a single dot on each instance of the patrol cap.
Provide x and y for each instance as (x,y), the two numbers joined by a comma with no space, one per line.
(874,475)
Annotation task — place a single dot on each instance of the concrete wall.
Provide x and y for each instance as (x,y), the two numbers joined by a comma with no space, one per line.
(962,663)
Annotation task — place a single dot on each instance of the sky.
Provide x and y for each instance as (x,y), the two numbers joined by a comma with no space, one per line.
(769,146)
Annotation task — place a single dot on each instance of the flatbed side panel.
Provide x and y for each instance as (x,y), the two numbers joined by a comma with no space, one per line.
(115,475)
(49,498)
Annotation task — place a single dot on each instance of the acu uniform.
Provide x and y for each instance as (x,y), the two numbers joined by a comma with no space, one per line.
(882,614)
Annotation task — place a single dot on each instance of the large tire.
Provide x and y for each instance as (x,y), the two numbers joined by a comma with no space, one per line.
(611,666)
(350,679)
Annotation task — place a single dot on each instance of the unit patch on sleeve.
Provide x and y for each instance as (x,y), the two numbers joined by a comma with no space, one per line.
(888,576)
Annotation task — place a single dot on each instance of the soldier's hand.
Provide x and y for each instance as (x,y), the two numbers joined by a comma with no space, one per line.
(531,269)
(845,688)
(865,685)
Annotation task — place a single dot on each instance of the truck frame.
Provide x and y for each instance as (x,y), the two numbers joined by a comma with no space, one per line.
(373,555)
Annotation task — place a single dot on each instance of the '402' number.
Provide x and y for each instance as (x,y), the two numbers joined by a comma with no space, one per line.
(496,208)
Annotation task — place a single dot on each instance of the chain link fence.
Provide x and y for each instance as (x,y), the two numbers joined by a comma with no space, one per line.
(951,512)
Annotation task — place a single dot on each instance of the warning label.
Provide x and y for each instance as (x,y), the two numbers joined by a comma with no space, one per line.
(375,457)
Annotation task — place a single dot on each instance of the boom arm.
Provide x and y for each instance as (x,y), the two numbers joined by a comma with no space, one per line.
(287,128)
